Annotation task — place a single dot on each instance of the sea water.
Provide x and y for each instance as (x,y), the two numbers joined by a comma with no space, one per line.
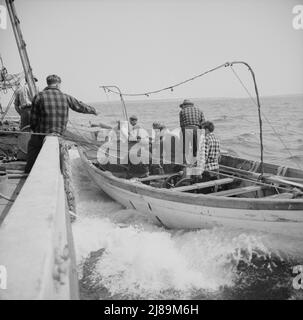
(122,255)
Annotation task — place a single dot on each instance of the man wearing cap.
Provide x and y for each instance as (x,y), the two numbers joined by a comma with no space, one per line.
(211,152)
(49,115)
(191,119)
(133,128)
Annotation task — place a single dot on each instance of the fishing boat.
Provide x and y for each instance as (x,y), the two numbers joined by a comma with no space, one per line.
(241,197)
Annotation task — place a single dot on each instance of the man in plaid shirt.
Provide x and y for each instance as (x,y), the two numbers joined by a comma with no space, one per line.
(191,119)
(212,148)
(49,115)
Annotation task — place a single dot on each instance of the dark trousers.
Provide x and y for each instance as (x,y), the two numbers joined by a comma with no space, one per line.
(34,146)
(186,135)
(25,114)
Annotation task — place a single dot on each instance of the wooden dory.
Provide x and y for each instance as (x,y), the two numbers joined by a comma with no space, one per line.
(276,206)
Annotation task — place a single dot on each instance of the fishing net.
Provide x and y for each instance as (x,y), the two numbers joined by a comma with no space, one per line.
(10,81)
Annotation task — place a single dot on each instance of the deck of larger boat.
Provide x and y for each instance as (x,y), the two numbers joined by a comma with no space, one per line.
(10,185)
(35,231)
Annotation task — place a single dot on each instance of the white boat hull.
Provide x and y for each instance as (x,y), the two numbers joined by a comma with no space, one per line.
(178,215)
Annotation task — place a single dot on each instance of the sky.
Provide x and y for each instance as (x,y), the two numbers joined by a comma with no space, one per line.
(147,45)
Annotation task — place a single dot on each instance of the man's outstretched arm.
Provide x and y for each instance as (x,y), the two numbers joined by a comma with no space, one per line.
(79,106)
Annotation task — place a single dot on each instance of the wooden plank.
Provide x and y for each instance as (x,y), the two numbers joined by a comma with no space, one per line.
(14,165)
(17,175)
(155,177)
(14,171)
(15,189)
(202,185)
(237,191)
(284,195)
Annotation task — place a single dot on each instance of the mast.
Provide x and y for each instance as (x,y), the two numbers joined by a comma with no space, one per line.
(21,48)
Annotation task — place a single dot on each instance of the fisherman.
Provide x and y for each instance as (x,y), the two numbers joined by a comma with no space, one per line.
(137,134)
(133,128)
(159,129)
(191,119)
(23,104)
(212,152)
(49,115)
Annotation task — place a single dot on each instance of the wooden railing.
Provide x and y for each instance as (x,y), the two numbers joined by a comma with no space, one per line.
(36,244)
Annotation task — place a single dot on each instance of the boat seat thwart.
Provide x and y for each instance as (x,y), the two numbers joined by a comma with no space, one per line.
(155,177)
(202,185)
(237,191)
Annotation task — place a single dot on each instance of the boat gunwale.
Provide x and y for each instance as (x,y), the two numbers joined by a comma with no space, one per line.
(196,199)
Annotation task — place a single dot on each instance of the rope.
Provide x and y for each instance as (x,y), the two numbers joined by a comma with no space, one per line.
(82,142)
(170,87)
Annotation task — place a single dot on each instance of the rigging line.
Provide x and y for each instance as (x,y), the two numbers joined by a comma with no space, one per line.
(243,85)
(272,127)
(169,87)
(71,139)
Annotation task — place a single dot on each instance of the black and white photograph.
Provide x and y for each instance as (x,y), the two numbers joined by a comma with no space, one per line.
(151,153)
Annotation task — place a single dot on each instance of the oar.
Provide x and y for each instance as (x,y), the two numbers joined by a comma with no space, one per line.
(283,180)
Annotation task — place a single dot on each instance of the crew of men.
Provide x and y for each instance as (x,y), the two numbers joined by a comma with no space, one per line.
(192,120)
(48,113)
